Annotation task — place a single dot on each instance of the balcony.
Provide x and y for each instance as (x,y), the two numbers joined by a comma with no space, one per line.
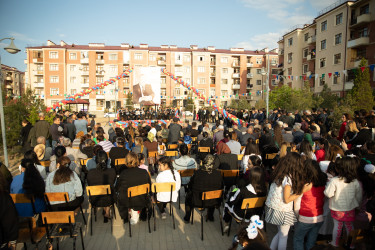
(213,63)
(361,41)
(84,61)
(38,84)
(126,61)
(38,72)
(310,57)
(9,78)
(100,72)
(273,63)
(235,64)
(356,63)
(212,85)
(99,96)
(249,86)
(250,75)
(349,85)
(249,65)
(37,60)
(364,18)
(213,74)
(85,85)
(178,62)
(99,61)
(162,62)
(311,39)
(236,86)
(84,73)
(236,75)
(281,52)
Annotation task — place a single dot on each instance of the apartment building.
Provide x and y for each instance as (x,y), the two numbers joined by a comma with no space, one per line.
(325,50)
(57,70)
(14,81)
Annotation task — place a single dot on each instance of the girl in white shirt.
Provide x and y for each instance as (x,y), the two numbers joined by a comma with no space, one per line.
(345,194)
(167,174)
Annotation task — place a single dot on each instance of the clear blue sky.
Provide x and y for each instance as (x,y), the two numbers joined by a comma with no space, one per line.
(252,24)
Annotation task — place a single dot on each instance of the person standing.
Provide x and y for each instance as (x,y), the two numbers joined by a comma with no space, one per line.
(70,129)
(56,131)
(174,131)
(41,128)
(26,127)
(80,124)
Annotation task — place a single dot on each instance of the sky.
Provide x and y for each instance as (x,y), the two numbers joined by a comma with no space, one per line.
(249,24)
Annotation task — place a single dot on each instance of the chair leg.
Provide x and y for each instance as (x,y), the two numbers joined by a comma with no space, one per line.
(148,220)
(202,225)
(174,225)
(114,211)
(83,215)
(95,210)
(91,219)
(130,228)
(179,200)
(192,216)
(58,245)
(221,221)
(25,246)
(111,219)
(230,225)
(153,214)
(74,243)
(83,244)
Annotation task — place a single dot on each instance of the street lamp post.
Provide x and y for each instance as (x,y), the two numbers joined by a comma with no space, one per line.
(266,73)
(11,48)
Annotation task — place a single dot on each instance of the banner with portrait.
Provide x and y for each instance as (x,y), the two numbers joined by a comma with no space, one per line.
(146,86)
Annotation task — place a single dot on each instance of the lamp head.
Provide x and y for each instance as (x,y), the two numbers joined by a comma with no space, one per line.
(12,48)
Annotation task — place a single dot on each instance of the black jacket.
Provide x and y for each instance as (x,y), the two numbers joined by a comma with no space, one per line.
(70,131)
(8,219)
(107,177)
(117,153)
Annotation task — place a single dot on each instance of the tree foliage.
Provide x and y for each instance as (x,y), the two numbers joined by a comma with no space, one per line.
(326,99)
(190,102)
(239,104)
(260,104)
(129,101)
(290,99)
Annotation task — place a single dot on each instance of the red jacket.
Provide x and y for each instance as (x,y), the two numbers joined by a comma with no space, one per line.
(312,202)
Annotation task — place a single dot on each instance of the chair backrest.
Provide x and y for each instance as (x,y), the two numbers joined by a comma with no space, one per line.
(253,202)
(186,172)
(138,190)
(45,163)
(239,157)
(51,197)
(58,217)
(257,141)
(209,195)
(171,153)
(75,147)
(163,187)
(270,156)
(242,148)
(204,149)
(189,147)
(194,139)
(21,198)
(84,161)
(165,140)
(162,147)
(98,190)
(108,153)
(230,173)
(153,154)
(173,146)
(120,161)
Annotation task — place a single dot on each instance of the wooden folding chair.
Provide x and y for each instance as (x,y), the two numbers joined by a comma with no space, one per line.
(239,157)
(162,147)
(271,156)
(46,164)
(163,187)
(100,190)
(57,230)
(83,163)
(172,146)
(257,141)
(61,196)
(184,173)
(27,229)
(171,153)
(230,174)
(143,189)
(210,195)
(242,148)
(165,140)
(204,149)
(247,204)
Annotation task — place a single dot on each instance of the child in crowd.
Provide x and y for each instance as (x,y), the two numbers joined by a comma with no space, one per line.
(290,180)
(141,159)
(311,211)
(345,194)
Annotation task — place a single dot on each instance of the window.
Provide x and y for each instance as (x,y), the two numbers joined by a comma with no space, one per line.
(363,32)
(162,80)
(236,81)
(212,92)
(113,56)
(177,91)
(54,67)
(72,56)
(138,56)
(364,9)
(99,79)
(201,58)
(54,79)
(203,91)
(73,79)
(73,91)
(152,57)
(99,68)
(322,81)
(305,68)
(306,37)
(73,67)
(113,68)
(274,71)
(339,19)
(84,54)
(259,71)
(259,82)
(338,39)
(39,67)
(224,81)
(224,93)
(273,82)
(126,80)
(323,44)
(188,80)
(201,69)
(99,56)
(179,69)
(290,41)
(224,71)
(290,71)
(322,62)
(259,60)
(85,79)
(224,59)
(163,92)
(323,26)
(201,80)
(305,53)
(54,91)
(186,58)
(336,78)
(99,103)
(290,57)
(53,55)
(85,68)
(187,69)
(337,58)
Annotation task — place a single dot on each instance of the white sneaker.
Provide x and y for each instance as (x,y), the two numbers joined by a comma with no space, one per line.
(164,216)
(226,228)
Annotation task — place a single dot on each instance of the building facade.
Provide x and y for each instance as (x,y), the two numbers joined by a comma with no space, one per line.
(14,81)
(325,50)
(55,71)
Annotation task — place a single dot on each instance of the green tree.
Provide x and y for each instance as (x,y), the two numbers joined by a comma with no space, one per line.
(190,102)
(326,99)
(129,100)
(361,92)
(239,104)
(291,99)
(260,104)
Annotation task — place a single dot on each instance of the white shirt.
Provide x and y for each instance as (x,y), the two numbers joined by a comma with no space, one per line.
(166,176)
(343,196)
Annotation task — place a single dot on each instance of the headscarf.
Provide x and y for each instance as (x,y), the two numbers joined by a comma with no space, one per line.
(222,148)
(208,163)
(150,136)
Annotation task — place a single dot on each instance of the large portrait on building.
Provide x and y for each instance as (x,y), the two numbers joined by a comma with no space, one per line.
(146,85)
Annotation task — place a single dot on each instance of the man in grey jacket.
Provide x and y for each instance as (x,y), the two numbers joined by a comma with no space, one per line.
(174,131)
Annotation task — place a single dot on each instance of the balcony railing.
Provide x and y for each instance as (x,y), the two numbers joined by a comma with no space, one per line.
(249,86)
(364,18)
(84,73)
(236,75)
(235,64)
(249,65)
(99,61)
(310,57)
(178,62)
(9,78)
(38,72)
(38,84)
(311,39)
(249,75)
(364,40)
(236,86)
(85,85)
(161,62)
(37,60)
(84,60)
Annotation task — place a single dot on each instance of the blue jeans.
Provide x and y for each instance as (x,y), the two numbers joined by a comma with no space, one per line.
(303,229)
